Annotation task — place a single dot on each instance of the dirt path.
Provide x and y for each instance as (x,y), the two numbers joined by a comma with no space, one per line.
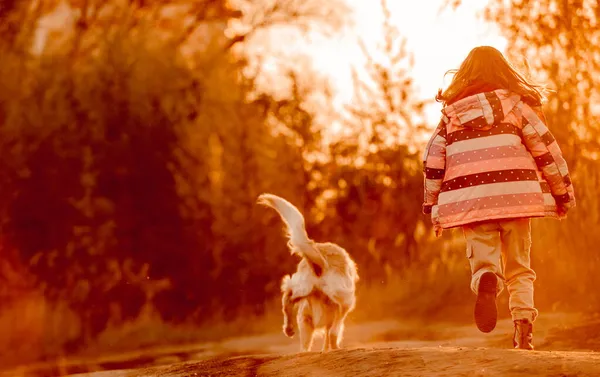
(438,361)
(567,345)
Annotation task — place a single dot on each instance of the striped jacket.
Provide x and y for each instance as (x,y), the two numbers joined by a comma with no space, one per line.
(490,158)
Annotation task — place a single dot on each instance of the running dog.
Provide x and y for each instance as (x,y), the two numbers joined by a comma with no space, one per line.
(322,289)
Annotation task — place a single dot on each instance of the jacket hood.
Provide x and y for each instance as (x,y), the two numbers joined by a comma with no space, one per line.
(482,110)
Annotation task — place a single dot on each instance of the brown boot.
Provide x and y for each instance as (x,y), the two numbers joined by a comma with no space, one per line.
(486,311)
(523,338)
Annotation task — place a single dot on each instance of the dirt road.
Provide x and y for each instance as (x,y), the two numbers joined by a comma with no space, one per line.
(439,361)
(566,346)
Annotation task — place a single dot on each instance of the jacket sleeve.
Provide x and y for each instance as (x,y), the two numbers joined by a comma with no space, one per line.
(547,154)
(434,166)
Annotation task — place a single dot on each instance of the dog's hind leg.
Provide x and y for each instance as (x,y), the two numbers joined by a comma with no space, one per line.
(335,335)
(336,331)
(288,313)
(306,333)
(305,327)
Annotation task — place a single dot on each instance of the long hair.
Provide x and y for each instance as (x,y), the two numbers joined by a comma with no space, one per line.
(485,64)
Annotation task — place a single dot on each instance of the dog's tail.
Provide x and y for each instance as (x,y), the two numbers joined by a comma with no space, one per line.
(296,231)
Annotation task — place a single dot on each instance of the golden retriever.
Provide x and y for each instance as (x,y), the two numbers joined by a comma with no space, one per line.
(323,287)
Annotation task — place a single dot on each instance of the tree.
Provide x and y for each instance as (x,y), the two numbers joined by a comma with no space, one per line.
(149,166)
(377,176)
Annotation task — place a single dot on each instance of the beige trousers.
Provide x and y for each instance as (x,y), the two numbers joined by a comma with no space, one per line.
(503,247)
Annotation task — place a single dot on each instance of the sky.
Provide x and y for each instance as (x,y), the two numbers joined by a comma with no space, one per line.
(438,40)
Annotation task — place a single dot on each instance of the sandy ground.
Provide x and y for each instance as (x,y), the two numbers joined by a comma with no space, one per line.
(424,361)
(567,345)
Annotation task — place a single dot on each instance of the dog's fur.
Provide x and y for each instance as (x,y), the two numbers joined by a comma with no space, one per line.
(323,287)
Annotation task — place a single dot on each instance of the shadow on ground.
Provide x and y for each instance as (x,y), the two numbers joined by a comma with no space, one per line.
(566,346)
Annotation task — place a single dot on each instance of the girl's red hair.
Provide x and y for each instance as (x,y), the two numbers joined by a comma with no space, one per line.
(487,65)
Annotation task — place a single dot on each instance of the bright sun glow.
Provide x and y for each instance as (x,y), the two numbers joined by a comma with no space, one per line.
(438,40)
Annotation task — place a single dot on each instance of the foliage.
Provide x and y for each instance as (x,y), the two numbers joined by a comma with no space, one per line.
(131,163)
(377,179)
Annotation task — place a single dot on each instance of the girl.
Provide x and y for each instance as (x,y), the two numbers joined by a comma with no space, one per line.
(490,166)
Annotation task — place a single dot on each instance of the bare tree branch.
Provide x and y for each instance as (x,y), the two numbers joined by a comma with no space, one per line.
(303,15)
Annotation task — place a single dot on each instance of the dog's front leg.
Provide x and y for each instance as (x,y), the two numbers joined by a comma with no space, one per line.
(326,340)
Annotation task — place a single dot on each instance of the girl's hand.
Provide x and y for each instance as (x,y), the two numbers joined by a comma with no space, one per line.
(561,210)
